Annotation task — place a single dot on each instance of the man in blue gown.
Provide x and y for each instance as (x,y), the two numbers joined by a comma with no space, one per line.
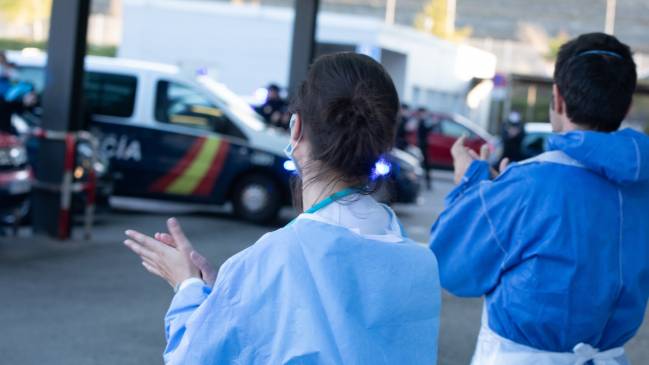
(558,245)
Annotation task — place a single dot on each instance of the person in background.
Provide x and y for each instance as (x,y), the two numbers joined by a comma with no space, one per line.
(404,115)
(7,74)
(19,98)
(425,125)
(275,108)
(558,245)
(513,135)
(340,284)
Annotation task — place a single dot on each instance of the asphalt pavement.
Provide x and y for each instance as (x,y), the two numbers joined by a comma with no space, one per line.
(85,303)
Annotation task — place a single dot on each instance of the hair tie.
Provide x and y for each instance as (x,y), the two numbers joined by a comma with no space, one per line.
(600,52)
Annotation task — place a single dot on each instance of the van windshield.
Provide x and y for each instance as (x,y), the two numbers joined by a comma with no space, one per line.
(234,103)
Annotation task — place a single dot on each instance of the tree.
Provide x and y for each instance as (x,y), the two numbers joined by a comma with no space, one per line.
(438,18)
(554,44)
(34,13)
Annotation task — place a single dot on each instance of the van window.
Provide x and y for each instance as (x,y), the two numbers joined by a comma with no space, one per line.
(34,76)
(182,105)
(110,94)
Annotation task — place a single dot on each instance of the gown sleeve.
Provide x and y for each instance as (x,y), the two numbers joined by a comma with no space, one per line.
(183,305)
(472,236)
(201,323)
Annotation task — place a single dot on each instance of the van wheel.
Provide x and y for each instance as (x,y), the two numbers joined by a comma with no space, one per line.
(256,198)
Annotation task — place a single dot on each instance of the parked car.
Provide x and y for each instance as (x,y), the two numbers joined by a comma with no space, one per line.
(15,180)
(403,178)
(85,162)
(535,140)
(180,136)
(447,128)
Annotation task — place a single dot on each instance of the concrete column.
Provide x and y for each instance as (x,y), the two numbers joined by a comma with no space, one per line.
(303,49)
(62,107)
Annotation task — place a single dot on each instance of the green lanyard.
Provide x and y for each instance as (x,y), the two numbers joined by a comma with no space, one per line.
(330,199)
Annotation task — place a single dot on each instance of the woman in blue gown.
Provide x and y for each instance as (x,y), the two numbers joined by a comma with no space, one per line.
(341,284)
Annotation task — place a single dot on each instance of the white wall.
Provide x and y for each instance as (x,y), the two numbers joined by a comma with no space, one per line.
(248,46)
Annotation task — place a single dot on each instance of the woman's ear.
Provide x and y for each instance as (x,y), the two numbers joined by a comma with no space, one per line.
(296,128)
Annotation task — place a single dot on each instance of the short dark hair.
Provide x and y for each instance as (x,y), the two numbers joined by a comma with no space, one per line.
(596,75)
(349,107)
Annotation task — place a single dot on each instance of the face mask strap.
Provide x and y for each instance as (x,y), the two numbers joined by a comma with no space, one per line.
(291,124)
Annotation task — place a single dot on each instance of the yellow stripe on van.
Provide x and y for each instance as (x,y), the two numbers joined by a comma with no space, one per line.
(186,183)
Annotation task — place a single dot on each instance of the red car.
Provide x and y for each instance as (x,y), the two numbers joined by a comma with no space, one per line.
(445,130)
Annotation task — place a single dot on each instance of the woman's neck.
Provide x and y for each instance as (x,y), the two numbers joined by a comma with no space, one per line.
(317,190)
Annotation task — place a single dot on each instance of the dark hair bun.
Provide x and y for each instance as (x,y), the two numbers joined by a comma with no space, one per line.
(349,108)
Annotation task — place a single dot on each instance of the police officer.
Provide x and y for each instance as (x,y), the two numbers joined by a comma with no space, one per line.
(425,125)
(513,135)
(275,109)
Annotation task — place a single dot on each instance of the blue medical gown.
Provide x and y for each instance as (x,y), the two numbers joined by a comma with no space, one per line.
(312,293)
(560,251)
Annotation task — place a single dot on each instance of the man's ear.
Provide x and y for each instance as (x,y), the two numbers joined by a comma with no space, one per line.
(559,105)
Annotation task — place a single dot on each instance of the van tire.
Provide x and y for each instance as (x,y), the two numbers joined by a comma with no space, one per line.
(256,198)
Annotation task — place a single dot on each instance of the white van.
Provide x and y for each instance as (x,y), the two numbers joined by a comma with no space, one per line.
(179,136)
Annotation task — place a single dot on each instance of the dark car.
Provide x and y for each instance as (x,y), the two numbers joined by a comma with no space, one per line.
(15,180)
(402,177)
(535,140)
(86,161)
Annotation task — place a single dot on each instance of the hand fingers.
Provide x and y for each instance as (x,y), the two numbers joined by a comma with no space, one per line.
(140,250)
(150,268)
(459,143)
(142,239)
(200,262)
(178,235)
(208,271)
(473,154)
(165,238)
(484,152)
(503,165)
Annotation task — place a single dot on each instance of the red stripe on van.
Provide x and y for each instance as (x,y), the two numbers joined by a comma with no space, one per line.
(161,185)
(207,184)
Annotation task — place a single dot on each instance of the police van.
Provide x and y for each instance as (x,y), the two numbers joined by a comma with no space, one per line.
(178,136)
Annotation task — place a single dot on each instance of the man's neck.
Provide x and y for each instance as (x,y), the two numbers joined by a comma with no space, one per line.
(569,126)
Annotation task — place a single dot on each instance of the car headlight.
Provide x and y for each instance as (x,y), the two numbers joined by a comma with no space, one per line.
(13,156)
(290,166)
(382,168)
(100,168)
(79,172)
